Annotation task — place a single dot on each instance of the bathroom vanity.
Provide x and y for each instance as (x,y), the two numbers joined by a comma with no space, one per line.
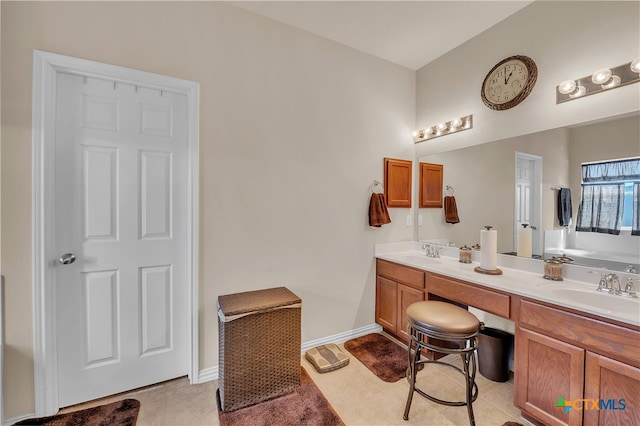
(568,343)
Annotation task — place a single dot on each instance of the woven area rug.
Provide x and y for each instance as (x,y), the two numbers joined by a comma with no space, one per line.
(384,358)
(304,406)
(120,413)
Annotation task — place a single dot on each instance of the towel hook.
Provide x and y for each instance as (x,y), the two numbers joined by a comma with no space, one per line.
(449,190)
(374,184)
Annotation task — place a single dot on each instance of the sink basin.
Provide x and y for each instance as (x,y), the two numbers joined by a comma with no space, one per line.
(606,301)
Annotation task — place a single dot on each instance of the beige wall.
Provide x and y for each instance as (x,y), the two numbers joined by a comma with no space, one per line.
(566,39)
(293,131)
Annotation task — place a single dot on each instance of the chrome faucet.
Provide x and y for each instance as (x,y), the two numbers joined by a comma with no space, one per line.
(631,269)
(628,288)
(606,283)
(611,280)
(431,251)
(602,284)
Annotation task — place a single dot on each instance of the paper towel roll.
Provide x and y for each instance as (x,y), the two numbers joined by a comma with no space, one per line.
(489,249)
(525,242)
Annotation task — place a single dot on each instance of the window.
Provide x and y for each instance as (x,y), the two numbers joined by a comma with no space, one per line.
(610,197)
(627,213)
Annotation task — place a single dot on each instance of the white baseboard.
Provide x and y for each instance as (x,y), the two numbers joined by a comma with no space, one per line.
(211,373)
(207,375)
(342,337)
(14,420)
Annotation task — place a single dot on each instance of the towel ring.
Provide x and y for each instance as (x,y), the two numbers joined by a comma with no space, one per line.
(374,184)
(449,190)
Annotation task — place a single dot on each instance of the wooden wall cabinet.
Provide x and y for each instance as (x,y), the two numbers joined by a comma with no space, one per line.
(397,182)
(430,185)
(397,287)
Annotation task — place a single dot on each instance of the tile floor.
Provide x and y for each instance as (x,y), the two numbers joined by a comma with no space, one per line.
(358,396)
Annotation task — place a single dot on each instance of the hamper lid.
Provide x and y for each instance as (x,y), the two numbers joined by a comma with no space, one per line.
(257,300)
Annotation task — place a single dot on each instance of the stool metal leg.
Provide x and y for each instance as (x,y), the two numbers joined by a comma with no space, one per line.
(411,375)
(470,373)
(468,370)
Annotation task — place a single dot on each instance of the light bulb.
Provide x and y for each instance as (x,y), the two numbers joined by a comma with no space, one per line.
(601,76)
(442,127)
(415,133)
(635,65)
(456,122)
(613,82)
(567,87)
(580,91)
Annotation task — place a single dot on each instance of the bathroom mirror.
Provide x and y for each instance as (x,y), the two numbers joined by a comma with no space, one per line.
(483,181)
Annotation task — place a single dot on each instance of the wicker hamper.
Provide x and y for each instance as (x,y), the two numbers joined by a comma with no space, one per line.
(259,340)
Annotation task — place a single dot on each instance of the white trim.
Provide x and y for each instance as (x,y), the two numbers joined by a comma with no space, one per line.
(17,419)
(45,67)
(342,337)
(209,374)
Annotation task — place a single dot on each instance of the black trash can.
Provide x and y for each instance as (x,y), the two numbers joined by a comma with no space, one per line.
(494,354)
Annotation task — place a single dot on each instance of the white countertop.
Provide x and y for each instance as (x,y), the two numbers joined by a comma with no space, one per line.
(523,277)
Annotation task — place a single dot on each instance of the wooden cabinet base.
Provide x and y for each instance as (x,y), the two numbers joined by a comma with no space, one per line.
(615,388)
(548,371)
(397,287)
(571,368)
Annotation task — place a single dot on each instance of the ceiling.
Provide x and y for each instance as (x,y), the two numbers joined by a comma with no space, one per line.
(407,33)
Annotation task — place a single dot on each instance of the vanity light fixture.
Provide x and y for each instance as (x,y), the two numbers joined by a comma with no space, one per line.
(571,88)
(446,128)
(601,80)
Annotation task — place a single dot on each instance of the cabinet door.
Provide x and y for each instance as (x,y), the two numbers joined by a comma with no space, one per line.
(406,296)
(386,303)
(616,388)
(430,185)
(546,371)
(397,182)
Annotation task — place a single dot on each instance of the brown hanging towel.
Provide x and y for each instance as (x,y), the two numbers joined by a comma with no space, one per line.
(378,213)
(450,210)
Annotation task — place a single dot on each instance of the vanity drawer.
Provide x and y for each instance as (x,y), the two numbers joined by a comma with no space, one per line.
(471,295)
(402,274)
(597,336)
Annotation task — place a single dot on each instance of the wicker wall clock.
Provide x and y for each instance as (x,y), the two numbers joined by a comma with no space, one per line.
(509,82)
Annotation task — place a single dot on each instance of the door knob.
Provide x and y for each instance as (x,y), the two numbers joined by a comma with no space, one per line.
(67,258)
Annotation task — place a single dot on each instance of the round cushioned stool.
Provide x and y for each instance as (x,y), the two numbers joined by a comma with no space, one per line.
(446,328)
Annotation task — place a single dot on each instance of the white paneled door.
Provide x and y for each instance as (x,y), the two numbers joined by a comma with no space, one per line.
(121,182)
(524,183)
(528,197)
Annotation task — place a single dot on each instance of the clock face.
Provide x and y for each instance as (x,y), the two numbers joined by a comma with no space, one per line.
(509,82)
